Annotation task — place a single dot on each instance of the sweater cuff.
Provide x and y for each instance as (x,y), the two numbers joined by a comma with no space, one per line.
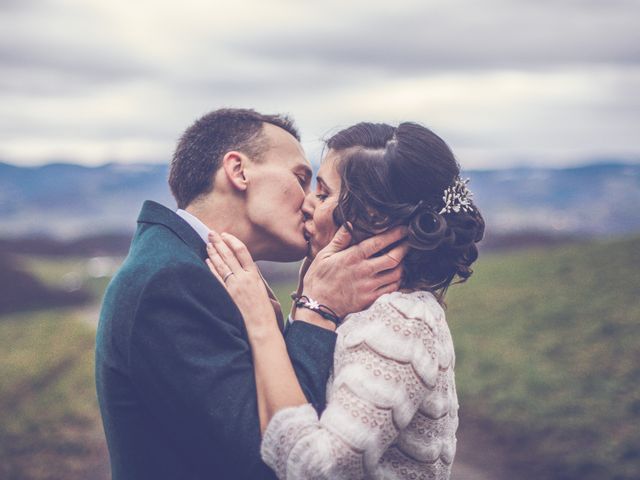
(284,430)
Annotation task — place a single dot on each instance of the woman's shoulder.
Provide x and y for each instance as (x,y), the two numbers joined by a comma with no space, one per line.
(406,326)
(418,308)
(418,304)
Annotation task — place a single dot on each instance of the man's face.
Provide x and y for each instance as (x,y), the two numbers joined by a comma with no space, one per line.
(277,188)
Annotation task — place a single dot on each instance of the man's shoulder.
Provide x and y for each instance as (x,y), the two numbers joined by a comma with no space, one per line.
(159,255)
(161,269)
(159,237)
(157,244)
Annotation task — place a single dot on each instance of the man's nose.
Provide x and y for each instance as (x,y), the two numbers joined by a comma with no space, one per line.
(308,206)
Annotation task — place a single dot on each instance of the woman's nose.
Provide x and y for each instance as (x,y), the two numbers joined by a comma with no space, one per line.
(308,206)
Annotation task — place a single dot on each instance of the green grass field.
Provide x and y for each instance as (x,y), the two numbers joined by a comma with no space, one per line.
(49,421)
(548,350)
(548,356)
(54,271)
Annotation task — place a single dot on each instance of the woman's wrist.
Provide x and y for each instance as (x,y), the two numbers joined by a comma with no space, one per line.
(264,328)
(265,339)
(263,334)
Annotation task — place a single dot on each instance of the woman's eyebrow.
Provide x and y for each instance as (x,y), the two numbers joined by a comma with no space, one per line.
(323,184)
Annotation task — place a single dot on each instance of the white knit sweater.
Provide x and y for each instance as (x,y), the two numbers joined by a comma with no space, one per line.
(392,408)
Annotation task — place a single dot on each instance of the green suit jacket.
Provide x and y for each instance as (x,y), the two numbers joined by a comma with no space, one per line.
(174,371)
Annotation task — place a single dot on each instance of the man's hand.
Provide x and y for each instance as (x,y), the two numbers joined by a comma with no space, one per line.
(349,279)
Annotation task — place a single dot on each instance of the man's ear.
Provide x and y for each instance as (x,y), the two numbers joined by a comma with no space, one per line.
(234,165)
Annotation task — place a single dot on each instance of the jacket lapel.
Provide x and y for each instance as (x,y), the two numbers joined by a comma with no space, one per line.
(153,212)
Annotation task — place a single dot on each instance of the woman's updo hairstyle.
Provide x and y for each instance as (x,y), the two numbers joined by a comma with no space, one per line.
(398,176)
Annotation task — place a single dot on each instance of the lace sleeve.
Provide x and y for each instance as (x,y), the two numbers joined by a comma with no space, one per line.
(386,361)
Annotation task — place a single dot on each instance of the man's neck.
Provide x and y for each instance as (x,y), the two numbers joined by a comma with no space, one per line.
(218,219)
(225,218)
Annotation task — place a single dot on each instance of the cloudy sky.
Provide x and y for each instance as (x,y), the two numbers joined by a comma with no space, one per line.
(505,82)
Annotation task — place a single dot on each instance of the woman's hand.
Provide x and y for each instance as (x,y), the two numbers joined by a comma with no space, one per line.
(277,386)
(230,261)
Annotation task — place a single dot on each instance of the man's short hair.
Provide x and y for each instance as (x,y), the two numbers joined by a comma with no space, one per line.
(204,144)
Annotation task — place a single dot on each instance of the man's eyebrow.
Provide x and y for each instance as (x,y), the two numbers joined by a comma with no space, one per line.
(306,169)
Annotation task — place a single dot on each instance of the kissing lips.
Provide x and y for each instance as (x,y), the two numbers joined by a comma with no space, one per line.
(307,234)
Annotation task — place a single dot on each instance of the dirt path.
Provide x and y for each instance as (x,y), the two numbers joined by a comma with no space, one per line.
(36,384)
(478,457)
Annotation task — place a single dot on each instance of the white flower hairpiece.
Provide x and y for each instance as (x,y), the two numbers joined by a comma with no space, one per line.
(457,197)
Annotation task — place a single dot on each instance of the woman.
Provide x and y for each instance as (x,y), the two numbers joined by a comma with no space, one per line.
(391,399)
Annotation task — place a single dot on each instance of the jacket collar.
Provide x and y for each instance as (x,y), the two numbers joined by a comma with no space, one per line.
(154,213)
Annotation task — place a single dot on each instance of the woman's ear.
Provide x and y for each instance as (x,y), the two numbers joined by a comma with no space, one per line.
(234,165)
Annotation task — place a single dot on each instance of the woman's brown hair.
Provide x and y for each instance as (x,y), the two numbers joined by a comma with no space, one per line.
(397,176)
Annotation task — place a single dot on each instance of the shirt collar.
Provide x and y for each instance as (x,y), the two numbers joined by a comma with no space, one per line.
(201,229)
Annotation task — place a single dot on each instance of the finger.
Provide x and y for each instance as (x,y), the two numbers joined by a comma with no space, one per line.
(389,276)
(214,271)
(340,241)
(390,259)
(306,263)
(224,251)
(304,266)
(240,250)
(373,245)
(388,288)
(397,253)
(221,268)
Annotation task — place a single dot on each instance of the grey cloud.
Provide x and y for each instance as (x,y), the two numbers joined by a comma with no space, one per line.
(41,68)
(19,5)
(47,49)
(87,63)
(446,37)
(311,67)
(155,129)
(288,80)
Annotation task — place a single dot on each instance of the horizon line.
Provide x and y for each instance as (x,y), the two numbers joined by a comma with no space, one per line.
(587,163)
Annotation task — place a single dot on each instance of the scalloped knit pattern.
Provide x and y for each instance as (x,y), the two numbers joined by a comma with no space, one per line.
(392,408)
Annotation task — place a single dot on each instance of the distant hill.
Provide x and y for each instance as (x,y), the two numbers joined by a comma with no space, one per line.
(68,200)
(22,291)
(598,199)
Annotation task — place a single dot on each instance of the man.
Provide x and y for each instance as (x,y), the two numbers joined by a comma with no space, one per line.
(173,364)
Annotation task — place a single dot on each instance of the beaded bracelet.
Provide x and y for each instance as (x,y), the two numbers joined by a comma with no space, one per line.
(325,312)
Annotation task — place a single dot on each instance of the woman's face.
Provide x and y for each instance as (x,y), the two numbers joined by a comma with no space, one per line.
(319,205)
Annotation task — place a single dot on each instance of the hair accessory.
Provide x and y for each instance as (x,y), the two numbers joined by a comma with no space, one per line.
(457,197)
(325,312)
